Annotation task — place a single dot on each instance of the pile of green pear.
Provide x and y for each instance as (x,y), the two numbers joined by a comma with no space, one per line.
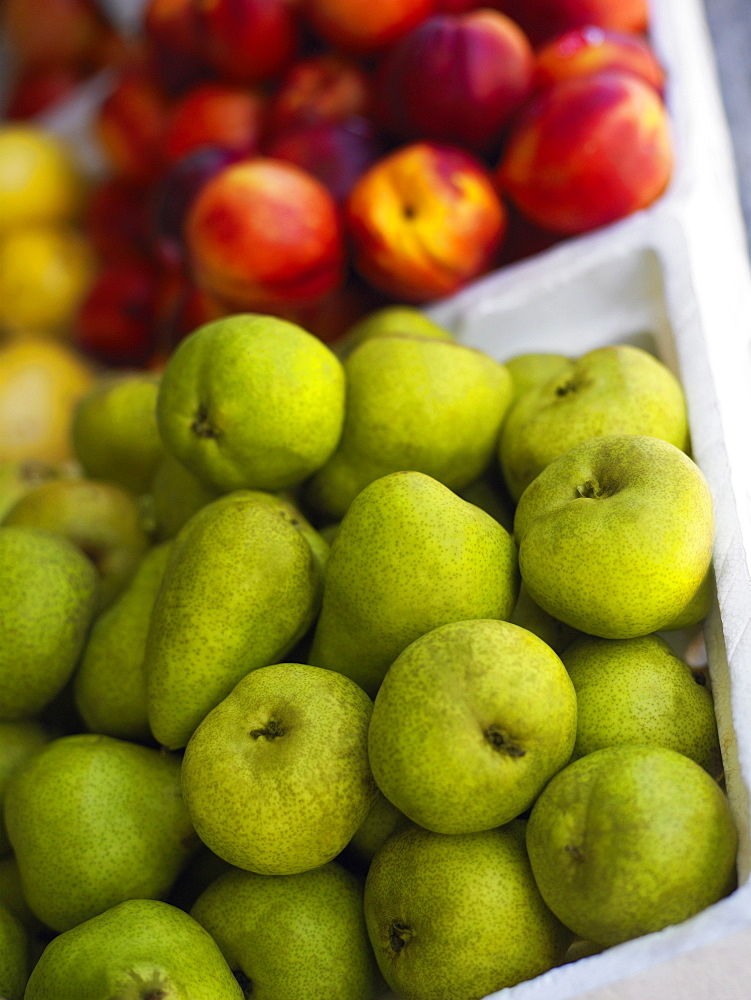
(334,671)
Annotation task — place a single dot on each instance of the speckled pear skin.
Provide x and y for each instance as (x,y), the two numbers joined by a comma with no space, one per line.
(14,956)
(176,494)
(531,616)
(458,916)
(433,406)
(615,537)
(93,821)
(114,432)
(527,370)
(19,741)
(470,723)
(638,691)
(109,685)
(293,936)
(382,820)
(141,949)
(410,555)
(675,820)
(251,402)
(101,518)
(386,322)
(48,596)
(242,585)
(276,777)
(620,389)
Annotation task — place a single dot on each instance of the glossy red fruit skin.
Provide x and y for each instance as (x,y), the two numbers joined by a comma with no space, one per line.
(361,27)
(214,114)
(116,323)
(247,41)
(457,79)
(425,220)
(336,153)
(327,87)
(265,235)
(542,20)
(588,50)
(587,152)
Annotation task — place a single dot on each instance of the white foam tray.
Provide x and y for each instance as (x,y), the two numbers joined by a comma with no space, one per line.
(678,272)
(675,278)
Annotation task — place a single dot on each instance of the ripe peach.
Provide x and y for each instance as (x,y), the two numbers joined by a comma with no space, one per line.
(214,114)
(362,26)
(53,32)
(588,151)
(117,220)
(247,41)
(456,78)
(130,125)
(327,87)
(116,323)
(35,89)
(264,234)
(170,28)
(337,153)
(425,220)
(584,51)
(175,192)
(542,20)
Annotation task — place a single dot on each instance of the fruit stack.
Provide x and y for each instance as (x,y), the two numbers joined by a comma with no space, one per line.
(408,147)
(349,670)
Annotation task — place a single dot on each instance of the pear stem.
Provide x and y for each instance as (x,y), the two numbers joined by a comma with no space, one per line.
(399,935)
(201,426)
(270,731)
(498,741)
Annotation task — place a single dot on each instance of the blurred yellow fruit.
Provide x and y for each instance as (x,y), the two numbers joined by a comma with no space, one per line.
(40,383)
(39,182)
(45,271)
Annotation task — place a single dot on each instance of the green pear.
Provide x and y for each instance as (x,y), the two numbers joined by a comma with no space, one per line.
(637,691)
(531,616)
(293,936)
(615,537)
(528,370)
(489,494)
(276,777)
(251,402)
(93,821)
(19,741)
(102,519)
(612,390)
(14,956)
(470,723)
(630,839)
(19,477)
(141,949)
(410,555)
(109,685)
(412,403)
(386,322)
(242,585)
(176,496)
(198,875)
(382,820)
(698,607)
(12,895)
(114,432)
(48,595)
(458,916)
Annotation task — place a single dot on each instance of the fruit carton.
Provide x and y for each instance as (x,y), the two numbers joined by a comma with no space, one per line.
(674,279)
